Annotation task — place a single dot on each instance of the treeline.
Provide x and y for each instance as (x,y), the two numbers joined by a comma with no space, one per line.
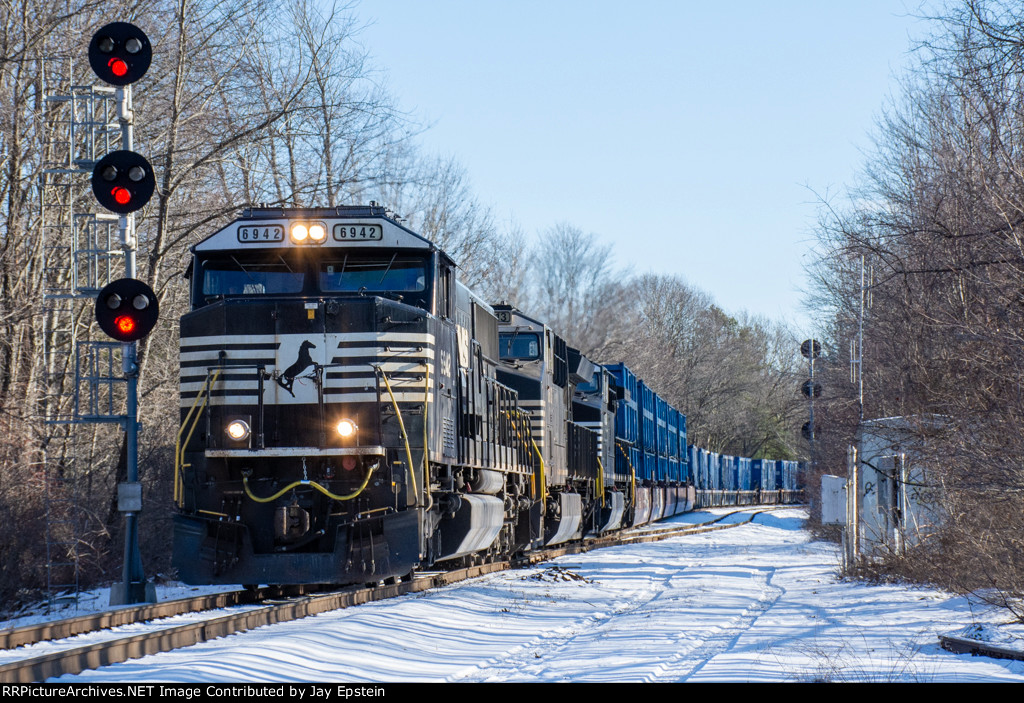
(737,379)
(275,101)
(938,219)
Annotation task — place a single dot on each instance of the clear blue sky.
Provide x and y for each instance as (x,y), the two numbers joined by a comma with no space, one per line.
(688,134)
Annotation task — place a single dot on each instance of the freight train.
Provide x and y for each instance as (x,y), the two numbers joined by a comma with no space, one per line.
(350,411)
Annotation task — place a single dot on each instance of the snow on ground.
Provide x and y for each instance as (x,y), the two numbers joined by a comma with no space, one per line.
(758,602)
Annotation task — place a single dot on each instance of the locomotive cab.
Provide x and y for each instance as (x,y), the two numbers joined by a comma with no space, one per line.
(404,276)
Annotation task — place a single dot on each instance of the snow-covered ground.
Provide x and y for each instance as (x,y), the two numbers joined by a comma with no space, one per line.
(758,602)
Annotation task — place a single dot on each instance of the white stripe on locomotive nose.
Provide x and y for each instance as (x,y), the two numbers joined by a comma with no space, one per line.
(373,351)
(387,367)
(335,385)
(383,337)
(258,356)
(332,336)
(336,399)
(222,386)
(368,383)
(387,364)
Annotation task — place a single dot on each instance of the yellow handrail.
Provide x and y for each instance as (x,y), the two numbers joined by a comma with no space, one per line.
(314,484)
(600,480)
(540,458)
(179,448)
(405,437)
(426,438)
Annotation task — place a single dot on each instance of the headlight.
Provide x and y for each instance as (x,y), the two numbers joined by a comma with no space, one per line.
(237,430)
(308,233)
(347,428)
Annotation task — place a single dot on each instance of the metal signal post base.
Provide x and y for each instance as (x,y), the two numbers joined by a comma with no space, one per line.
(133,587)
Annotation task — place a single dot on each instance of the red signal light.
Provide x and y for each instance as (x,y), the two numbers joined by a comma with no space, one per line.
(125,324)
(118,67)
(127,310)
(121,196)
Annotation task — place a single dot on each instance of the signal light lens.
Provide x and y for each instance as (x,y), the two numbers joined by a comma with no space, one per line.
(123,181)
(118,67)
(133,45)
(105,45)
(125,324)
(121,196)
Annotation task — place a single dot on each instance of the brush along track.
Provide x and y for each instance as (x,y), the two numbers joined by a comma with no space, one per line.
(73,661)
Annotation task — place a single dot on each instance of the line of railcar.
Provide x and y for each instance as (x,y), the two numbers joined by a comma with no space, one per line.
(350,412)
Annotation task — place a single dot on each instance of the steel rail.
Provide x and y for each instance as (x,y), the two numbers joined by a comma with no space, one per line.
(81,624)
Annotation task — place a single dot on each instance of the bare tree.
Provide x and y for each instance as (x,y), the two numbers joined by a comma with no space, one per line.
(239,107)
(939,216)
(575,289)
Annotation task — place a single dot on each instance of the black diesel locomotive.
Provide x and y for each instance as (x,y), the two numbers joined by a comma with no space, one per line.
(350,411)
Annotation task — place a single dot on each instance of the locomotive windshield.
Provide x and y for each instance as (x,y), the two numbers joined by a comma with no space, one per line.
(592,386)
(271,274)
(276,272)
(373,273)
(519,345)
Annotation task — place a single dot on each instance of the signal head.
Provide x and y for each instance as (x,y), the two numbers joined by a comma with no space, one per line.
(120,53)
(123,181)
(127,310)
(810,349)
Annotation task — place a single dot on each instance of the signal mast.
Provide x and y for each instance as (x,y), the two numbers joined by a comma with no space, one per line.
(126,309)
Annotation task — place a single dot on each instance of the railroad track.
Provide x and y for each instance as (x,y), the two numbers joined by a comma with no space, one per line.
(263,611)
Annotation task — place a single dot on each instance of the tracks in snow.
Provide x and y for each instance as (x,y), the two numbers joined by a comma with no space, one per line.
(694,656)
(586,648)
(535,659)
